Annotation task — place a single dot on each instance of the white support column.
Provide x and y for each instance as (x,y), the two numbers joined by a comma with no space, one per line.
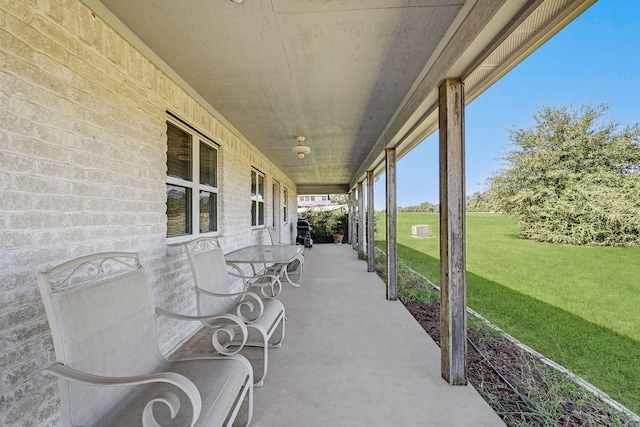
(371,263)
(453,302)
(362,238)
(392,250)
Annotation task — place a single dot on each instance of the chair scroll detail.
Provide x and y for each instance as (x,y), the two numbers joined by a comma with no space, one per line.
(110,370)
(269,285)
(171,400)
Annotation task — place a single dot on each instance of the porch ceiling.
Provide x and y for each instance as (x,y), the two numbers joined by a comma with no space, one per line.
(353,76)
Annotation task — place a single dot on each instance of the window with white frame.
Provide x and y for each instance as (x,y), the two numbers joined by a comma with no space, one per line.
(285,202)
(257,198)
(192,182)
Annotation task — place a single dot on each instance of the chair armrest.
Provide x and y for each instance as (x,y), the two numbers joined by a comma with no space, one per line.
(240,273)
(168,398)
(220,331)
(249,302)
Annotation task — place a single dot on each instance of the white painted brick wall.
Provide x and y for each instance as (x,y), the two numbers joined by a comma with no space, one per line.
(82,170)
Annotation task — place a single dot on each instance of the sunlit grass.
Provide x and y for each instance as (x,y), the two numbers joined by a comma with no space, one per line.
(576,305)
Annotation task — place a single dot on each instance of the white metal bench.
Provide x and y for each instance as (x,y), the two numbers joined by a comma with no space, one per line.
(212,286)
(110,368)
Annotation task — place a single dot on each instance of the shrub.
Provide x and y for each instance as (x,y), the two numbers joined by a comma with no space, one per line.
(572,180)
(324,224)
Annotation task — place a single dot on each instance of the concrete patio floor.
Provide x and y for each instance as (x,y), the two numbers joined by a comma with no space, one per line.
(351,358)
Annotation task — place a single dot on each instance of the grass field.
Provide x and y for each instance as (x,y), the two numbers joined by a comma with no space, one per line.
(579,306)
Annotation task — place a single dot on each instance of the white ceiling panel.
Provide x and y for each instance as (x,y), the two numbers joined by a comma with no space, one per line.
(353,76)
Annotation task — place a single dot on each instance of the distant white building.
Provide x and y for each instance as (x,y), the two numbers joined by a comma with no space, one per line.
(320,202)
(312,200)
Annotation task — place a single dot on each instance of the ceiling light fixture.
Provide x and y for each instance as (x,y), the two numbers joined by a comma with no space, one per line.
(300,150)
(237,1)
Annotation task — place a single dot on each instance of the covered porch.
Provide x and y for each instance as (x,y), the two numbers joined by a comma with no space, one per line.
(352,358)
(110,107)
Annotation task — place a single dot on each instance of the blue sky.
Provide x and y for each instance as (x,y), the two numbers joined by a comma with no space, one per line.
(594,60)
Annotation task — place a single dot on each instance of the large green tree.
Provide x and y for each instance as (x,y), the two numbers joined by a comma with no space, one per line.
(480,202)
(573,178)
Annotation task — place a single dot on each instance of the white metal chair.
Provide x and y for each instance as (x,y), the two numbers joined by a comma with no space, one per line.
(111,372)
(296,265)
(212,286)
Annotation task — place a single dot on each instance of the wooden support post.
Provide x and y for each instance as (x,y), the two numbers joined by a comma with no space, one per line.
(453,303)
(392,250)
(371,260)
(362,238)
(352,219)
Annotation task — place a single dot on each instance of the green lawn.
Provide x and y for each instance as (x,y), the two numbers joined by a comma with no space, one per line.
(579,306)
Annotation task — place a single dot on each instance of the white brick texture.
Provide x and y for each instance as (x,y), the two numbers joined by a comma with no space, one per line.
(83,170)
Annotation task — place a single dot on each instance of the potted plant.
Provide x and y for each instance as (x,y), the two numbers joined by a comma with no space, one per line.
(339,221)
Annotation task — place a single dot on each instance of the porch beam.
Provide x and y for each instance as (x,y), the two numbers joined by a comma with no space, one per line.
(371,260)
(362,237)
(392,250)
(453,314)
